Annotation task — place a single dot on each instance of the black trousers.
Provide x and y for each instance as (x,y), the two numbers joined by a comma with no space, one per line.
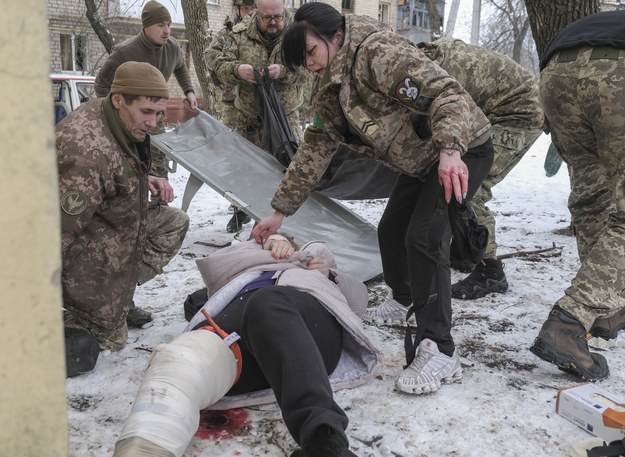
(290,343)
(414,236)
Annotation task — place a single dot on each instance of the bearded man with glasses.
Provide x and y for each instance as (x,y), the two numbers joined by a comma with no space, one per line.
(256,44)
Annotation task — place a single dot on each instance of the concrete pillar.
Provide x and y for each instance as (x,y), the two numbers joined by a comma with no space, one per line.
(33,417)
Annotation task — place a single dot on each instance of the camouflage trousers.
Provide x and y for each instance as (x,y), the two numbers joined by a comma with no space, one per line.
(112,339)
(167,227)
(252,129)
(583,94)
(159,159)
(510,145)
(229,114)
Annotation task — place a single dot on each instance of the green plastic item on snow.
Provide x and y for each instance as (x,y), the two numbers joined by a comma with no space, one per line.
(553,161)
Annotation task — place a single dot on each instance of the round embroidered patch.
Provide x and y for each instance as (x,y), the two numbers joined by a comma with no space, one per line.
(407,90)
(73,202)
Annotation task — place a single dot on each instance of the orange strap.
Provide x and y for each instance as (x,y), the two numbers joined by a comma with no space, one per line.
(229,339)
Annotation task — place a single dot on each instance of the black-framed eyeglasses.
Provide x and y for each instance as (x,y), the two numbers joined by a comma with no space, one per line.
(274,17)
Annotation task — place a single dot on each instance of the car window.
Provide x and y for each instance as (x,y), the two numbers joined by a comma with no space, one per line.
(86,91)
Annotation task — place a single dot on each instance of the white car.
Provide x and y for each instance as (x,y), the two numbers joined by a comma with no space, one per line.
(69,91)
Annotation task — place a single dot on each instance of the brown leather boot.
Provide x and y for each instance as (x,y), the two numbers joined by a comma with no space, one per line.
(562,341)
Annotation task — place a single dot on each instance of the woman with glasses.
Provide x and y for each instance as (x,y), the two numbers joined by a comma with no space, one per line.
(379,94)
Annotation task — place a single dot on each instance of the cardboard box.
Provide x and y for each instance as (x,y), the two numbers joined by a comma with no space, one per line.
(594,409)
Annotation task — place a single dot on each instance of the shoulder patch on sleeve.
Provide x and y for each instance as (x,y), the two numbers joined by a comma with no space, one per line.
(73,202)
(407,92)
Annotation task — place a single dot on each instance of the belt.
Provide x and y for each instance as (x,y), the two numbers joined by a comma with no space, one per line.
(599,52)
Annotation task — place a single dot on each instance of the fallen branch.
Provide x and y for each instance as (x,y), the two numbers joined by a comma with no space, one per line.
(554,250)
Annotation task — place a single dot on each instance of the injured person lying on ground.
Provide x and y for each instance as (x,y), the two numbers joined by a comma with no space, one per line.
(277,325)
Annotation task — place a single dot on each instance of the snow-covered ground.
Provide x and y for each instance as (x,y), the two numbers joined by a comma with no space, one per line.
(504,406)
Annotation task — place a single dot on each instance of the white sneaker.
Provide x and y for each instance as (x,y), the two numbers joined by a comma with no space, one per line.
(391,312)
(429,369)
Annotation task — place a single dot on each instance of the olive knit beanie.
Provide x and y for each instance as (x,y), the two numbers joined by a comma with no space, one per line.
(154,13)
(139,78)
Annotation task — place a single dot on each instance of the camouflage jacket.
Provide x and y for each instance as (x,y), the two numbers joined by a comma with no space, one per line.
(505,91)
(103,189)
(246,46)
(212,53)
(167,58)
(394,104)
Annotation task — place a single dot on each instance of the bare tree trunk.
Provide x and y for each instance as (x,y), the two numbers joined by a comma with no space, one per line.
(98,26)
(435,19)
(547,18)
(197,26)
(519,39)
(506,29)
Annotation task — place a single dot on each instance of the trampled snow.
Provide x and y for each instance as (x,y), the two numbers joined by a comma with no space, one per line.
(504,406)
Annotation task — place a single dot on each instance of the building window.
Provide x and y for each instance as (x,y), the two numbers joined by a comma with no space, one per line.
(294,4)
(383,12)
(212,2)
(73,52)
(414,14)
(347,6)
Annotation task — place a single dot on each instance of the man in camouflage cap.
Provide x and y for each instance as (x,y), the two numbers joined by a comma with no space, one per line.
(109,243)
(154,45)
(582,90)
(256,44)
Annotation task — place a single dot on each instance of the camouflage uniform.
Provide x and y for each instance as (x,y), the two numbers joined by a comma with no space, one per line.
(508,95)
(583,93)
(411,94)
(247,46)
(229,113)
(382,97)
(103,189)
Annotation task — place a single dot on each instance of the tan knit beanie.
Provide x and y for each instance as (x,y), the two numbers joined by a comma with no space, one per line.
(154,13)
(139,78)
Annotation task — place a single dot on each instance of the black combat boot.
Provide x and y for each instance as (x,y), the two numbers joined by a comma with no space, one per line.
(81,351)
(137,317)
(608,327)
(325,442)
(236,222)
(487,277)
(562,341)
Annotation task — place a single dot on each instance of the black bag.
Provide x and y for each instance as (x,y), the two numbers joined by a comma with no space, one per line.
(614,449)
(81,351)
(470,239)
(278,138)
(194,303)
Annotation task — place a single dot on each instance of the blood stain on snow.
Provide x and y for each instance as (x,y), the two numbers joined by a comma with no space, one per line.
(222,424)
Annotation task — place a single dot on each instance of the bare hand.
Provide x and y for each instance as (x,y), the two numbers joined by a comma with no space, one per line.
(161,187)
(273,71)
(246,73)
(280,248)
(191,100)
(267,226)
(319,265)
(453,175)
